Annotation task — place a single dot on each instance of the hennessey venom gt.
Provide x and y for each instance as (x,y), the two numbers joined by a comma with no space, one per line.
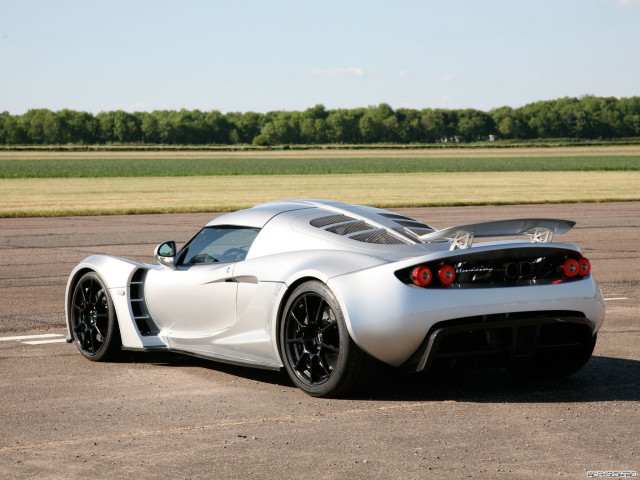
(329,291)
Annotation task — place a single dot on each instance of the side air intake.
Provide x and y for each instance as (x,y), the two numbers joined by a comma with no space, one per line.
(144,322)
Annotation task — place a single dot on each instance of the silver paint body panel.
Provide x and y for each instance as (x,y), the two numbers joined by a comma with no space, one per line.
(229,311)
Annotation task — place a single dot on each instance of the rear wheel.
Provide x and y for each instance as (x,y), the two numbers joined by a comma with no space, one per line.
(94,326)
(317,350)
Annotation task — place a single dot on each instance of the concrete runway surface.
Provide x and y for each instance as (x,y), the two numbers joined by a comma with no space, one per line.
(170,416)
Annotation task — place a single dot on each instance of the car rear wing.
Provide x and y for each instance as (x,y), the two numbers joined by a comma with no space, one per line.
(539,230)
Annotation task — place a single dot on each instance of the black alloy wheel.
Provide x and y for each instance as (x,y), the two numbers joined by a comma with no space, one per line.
(94,326)
(317,350)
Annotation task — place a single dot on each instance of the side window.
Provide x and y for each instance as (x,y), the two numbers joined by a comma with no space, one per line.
(218,244)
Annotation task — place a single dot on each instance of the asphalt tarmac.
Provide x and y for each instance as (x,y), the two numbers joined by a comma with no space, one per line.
(171,416)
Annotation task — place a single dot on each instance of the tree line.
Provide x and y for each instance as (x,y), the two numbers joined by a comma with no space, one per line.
(587,117)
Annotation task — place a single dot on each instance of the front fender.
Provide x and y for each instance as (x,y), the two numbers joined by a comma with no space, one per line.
(116,274)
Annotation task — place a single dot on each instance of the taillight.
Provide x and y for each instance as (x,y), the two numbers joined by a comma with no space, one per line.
(421,276)
(584,267)
(446,274)
(570,268)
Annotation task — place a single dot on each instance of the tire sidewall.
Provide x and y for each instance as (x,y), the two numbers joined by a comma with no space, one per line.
(335,379)
(108,347)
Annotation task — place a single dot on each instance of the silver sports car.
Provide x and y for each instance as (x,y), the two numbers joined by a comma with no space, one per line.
(330,291)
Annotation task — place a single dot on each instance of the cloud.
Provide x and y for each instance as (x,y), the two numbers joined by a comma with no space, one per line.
(411,104)
(337,72)
(130,107)
(448,77)
(444,100)
(626,3)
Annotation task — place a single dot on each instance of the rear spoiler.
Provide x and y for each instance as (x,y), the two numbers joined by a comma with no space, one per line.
(539,230)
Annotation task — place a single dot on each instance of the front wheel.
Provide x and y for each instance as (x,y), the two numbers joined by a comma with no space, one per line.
(94,326)
(317,350)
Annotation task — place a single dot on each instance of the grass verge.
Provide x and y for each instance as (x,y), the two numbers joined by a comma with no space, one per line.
(82,196)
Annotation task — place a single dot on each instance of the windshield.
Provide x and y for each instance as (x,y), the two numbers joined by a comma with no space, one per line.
(218,244)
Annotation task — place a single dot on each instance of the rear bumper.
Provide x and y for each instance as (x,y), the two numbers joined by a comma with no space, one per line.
(391,320)
(501,341)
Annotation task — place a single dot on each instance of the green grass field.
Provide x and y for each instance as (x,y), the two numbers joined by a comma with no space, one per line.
(193,167)
(121,182)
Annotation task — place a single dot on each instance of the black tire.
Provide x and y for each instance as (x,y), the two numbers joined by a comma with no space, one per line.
(558,363)
(93,322)
(317,350)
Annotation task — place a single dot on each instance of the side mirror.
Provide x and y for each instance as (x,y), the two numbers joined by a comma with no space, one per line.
(165,254)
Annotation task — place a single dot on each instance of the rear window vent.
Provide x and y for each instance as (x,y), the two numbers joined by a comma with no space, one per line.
(406,233)
(379,236)
(362,231)
(413,224)
(394,216)
(330,220)
(412,233)
(408,222)
(422,231)
(351,227)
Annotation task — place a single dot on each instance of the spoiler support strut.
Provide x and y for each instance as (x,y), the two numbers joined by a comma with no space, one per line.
(539,230)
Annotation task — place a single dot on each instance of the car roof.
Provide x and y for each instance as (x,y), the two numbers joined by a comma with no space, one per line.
(378,226)
(257,216)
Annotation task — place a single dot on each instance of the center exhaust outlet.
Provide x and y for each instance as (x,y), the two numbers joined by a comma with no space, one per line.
(511,271)
(526,269)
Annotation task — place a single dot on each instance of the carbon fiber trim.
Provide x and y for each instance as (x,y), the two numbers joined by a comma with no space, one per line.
(351,227)
(380,237)
(330,220)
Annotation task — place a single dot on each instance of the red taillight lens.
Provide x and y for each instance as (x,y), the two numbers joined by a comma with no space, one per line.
(447,275)
(421,276)
(570,268)
(584,267)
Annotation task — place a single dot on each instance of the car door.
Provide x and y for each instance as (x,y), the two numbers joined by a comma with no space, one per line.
(192,300)
(197,299)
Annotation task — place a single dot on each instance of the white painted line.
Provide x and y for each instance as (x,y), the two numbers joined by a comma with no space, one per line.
(616,298)
(42,342)
(30,337)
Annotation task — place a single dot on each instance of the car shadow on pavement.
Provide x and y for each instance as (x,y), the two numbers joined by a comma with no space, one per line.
(602,379)
(177,360)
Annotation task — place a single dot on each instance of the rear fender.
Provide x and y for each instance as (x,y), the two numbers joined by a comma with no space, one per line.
(388,319)
(288,268)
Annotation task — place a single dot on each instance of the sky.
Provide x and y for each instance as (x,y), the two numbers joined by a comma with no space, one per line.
(263,55)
